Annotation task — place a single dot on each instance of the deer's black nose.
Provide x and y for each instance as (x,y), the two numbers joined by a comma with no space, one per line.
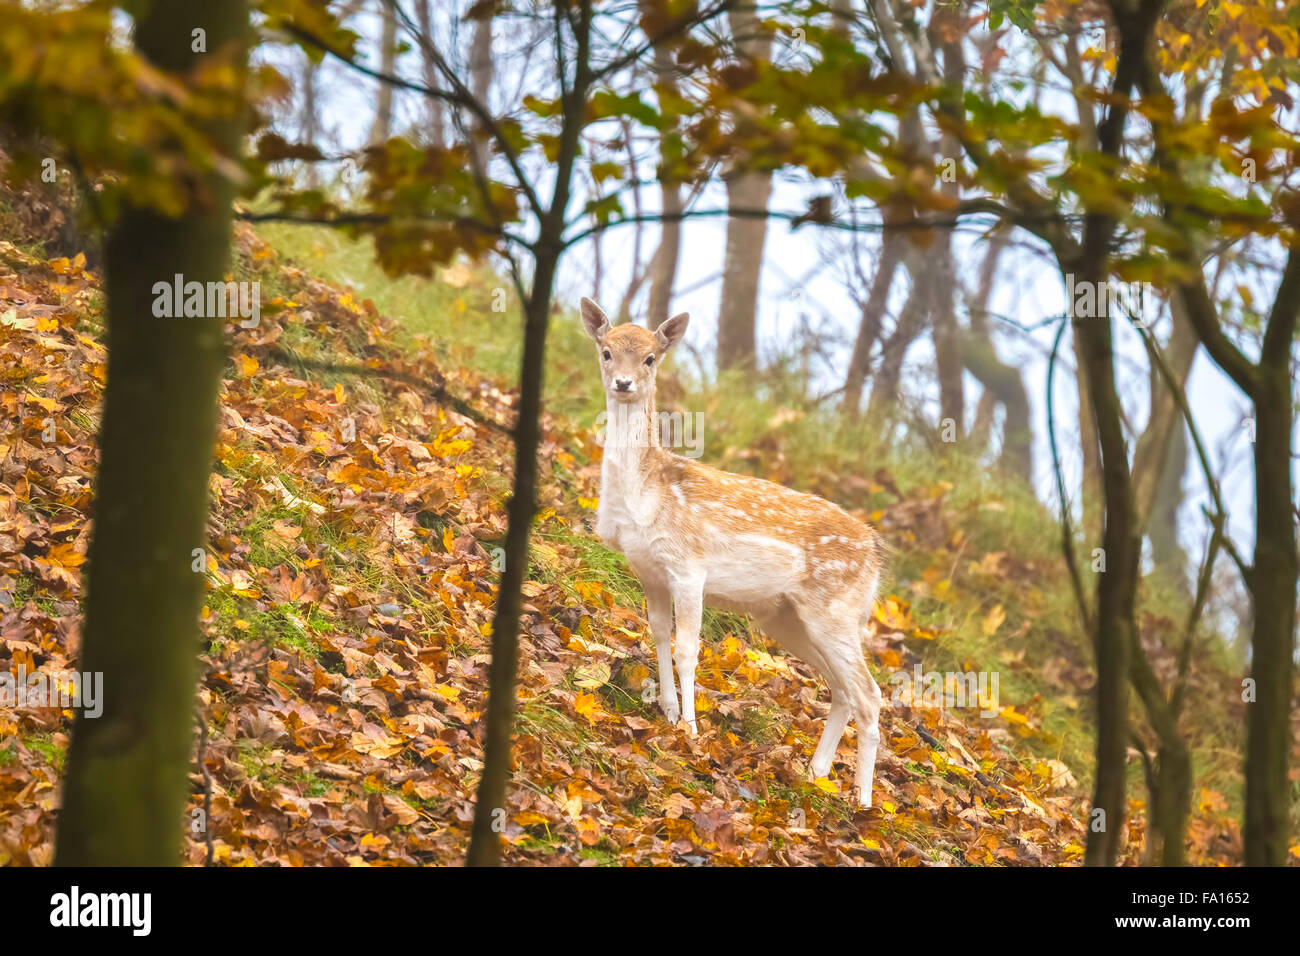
(623,384)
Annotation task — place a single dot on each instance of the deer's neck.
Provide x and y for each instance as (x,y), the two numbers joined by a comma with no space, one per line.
(631,435)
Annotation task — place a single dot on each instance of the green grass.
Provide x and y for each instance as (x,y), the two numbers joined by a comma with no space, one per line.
(44,745)
(457,322)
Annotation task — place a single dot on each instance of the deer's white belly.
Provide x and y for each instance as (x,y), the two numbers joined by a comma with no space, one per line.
(744,573)
(751,572)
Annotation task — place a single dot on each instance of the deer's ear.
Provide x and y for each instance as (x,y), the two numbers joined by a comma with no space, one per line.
(595,320)
(672,331)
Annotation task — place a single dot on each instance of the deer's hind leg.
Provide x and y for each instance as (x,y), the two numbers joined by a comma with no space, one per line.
(838,640)
(789,628)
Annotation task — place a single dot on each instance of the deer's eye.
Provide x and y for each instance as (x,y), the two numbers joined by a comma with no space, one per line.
(607,355)
(650,360)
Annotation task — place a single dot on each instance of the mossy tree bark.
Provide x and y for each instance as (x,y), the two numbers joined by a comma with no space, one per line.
(124,792)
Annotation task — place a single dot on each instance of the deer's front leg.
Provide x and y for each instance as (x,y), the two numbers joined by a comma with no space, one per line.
(688,608)
(659,608)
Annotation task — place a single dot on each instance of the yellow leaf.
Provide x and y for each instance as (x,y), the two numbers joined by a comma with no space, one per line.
(588,705)
(993,620)
(66,555)
(444,445)
(573,806)
(247,365)
(826,785)
(1009,714)
(895,613)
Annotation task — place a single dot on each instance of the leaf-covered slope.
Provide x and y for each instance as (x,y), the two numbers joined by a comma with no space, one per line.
(358,494)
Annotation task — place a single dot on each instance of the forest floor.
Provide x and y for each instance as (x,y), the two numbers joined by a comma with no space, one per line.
(351,572)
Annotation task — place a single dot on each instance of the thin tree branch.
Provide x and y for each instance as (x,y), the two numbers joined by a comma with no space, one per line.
(1067,532)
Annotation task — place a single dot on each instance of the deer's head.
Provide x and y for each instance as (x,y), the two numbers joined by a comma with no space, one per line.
(630,355)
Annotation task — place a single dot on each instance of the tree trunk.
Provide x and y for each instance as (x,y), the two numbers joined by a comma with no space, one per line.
(1000,381)
(429,70)
(981,429)
(663,274)
(663,269)
(943,280)
(382,128)
(1090,482)
(1167,552)
(873,316)
(480,60)
(309,122)
(1165,421)
(489,804)
(1115,631)
(947,342)
(124,792)
(484,849)
(911,320)
(480,77)
(746,235)
(1004,384)
(1273,584)
(1276,565)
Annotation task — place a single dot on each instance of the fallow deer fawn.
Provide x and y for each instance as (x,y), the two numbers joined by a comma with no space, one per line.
(801,567)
